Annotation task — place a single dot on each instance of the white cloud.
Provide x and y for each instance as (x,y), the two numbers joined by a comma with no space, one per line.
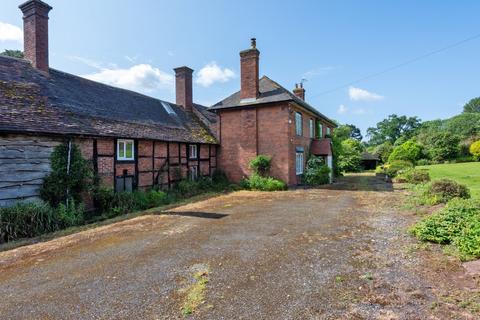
(318,71)
(9,32)
(358,94)
(140,77)
(342,109)
(212,73)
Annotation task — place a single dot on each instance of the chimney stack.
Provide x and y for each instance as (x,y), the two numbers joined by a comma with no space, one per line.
(35,30)
(249,88)
(183,87)
(299,91)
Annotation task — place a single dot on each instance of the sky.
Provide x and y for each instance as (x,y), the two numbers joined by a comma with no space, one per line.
(334,45)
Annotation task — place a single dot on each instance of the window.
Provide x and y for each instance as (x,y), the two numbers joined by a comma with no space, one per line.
(193,173)
(298,124)
(328,131)
(125,150)
(310,127)
(167,107)
(299,163)
(192,151)
(319,130)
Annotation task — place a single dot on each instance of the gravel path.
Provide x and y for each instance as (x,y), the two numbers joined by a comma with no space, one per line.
(335,253)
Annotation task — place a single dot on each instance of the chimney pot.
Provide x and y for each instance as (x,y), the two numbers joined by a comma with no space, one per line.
(35,30)
(299,91)
(183,87)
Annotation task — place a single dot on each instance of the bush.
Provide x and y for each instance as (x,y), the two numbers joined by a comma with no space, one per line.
(407,151)
(257,182)
(76,181)
(441,191)
(424,162)
(475,150)
(458,223)
(316,172)
(26,220)
(393,168)
(415,176)
(350,157)
(261,165)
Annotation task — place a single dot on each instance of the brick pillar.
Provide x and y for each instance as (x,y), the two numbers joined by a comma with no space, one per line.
(249,64)
(35,30)
(183,87)
(299,91)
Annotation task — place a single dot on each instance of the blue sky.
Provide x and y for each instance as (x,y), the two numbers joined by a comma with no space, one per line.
(136,44)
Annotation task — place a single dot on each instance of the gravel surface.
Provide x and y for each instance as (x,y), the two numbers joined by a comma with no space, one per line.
(336,253)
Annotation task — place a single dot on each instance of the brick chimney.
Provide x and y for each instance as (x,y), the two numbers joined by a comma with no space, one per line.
(299,91)
(249,89)
(35,30)
(183,87)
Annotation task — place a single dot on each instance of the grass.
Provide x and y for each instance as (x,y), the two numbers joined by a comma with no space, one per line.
(467,173)
(195,293)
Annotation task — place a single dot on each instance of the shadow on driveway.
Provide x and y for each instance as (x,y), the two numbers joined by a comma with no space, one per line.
(207,215)
(361,182)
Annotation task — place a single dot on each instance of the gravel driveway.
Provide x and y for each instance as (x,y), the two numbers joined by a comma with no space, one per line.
(336,253)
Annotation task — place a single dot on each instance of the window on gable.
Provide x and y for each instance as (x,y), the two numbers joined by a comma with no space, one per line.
(311,128)
(125,150)
(299,163)
(298,124)
(192,154)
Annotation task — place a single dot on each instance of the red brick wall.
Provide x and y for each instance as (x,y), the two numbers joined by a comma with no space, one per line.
(238,138)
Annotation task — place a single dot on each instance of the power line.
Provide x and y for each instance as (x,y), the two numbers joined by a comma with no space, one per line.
(394,67)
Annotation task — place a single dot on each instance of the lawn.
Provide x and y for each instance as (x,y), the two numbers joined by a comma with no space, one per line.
(467,173)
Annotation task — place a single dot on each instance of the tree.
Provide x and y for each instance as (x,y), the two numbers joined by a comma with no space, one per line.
(13,53)
(442,146)
(392,128)
(472,106)
(475,150)
(383,151)
(347,131)
(350,157)
(408,151)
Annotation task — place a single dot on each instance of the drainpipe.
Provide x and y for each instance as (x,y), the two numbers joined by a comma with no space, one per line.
(68,166)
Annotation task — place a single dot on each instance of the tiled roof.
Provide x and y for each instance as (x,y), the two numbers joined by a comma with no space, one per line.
(270,91)
(61,103)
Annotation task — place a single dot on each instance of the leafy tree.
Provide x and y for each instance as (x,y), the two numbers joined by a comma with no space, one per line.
(393,128)
(13,53)
(465,125)
(347,131)
(472,106)
(475,150)
(383,150)
(408,151)
(351,156)
(62,184)
(442,146)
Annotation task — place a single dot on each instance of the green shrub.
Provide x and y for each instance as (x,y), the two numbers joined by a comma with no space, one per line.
(261,165)
(395,167)
(25,220)
(458,223)
(424,162)
(257,182)
(316,172)
(407,151)
(475,150)
(414,176)
(441,191)
(156,198)
(350,156)
(60,185)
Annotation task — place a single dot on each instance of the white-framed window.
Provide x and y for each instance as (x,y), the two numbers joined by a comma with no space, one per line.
(125,150)
(192,151)
(328,131)
(320,130)
(193,173)
(298,124)
(299,163)
(311,128)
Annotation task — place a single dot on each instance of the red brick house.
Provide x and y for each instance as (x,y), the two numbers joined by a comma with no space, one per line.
(265,118)
(133,141)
